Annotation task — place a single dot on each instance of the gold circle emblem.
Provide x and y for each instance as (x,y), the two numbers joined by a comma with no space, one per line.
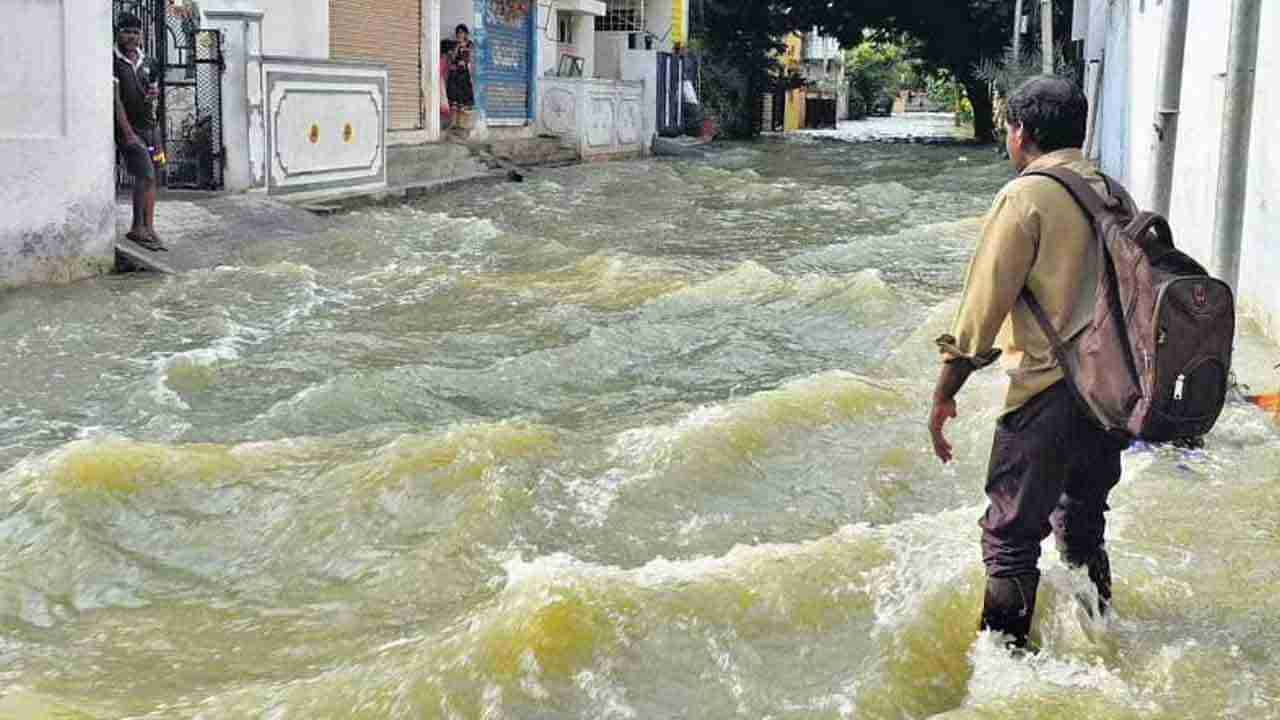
(314,135)
(348,133)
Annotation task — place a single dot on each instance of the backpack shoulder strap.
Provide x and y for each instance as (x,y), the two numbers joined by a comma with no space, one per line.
(1093,205)
(1055,343)
(1085,196)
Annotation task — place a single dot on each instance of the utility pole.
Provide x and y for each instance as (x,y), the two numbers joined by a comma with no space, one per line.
(1046,36)
(1164,145)
(1017,30)
(1237,129)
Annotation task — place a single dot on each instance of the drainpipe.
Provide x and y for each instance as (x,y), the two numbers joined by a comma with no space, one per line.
(1095,101)
(1046,35)
(1164,146)
(1017,30)
(1237,128)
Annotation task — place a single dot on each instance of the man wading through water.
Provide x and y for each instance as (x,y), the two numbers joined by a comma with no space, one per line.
(1051,466)
(135,90)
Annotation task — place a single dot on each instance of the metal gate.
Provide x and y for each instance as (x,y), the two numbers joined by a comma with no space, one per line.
(779,99)
(671,75)
(192,107)
(189,108)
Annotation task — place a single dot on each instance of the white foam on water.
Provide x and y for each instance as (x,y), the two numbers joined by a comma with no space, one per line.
(226,349)
(594,497)
(999,676)
(608,698)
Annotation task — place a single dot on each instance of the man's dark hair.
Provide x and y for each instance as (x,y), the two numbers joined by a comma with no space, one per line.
(128,21)
(1053,111)
(462,28)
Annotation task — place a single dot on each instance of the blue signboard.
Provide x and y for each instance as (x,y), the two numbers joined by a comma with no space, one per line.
(505,59)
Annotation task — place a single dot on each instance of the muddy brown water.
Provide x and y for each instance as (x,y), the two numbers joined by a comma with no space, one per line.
(639,440)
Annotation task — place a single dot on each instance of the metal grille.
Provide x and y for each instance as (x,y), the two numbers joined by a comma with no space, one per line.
(671,75)
(622,16)
(153,22)
(193,112)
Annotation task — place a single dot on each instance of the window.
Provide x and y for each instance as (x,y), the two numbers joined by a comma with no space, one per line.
(622,16)
(564,28)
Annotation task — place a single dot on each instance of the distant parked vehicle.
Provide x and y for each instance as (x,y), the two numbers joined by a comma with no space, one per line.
(881,107)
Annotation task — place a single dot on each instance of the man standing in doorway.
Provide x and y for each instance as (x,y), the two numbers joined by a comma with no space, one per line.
(135,91)
(1051,466)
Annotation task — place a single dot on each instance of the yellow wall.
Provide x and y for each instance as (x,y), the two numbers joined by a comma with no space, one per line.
(793,57)
(795,110)
(679,21)
(792,60)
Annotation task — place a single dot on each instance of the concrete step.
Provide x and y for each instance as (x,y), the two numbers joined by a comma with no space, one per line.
(530,152)
(417,164)
(131,257)
(339,201)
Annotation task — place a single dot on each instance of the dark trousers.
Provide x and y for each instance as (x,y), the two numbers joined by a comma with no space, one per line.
(1051,471)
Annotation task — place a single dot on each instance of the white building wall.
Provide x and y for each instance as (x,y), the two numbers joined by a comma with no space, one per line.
(57,153)
(549,47)
(609,49)
(1125,130)
(298,28)
(454,13)
(545,20)
(586,40)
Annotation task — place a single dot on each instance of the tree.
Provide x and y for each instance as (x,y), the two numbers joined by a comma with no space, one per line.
(742,39)
(953,34)
(957,35)
(876,70)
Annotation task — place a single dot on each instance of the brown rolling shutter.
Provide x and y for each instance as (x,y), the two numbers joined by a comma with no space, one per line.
(389,32)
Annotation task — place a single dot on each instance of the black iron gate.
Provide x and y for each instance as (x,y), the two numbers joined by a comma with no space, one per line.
(192,107)
(671,76)
(189,107)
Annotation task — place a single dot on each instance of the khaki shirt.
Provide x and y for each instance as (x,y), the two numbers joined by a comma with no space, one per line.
(1035,236)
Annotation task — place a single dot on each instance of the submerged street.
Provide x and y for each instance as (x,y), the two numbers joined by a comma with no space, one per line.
(630,440)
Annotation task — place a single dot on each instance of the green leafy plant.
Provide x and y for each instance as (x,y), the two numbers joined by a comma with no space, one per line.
(877,71)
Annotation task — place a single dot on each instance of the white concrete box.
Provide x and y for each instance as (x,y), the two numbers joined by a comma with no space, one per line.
(596,117)
(326,124)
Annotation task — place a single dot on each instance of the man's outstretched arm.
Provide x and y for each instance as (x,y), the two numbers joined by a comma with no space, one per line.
(953,377)
(996,275)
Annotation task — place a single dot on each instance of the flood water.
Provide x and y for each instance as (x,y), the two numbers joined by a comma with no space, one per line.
(637,440)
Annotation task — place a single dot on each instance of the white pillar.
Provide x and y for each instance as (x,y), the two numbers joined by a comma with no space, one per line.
(431,65)
(243,122)
(1046,37)
(584,34)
